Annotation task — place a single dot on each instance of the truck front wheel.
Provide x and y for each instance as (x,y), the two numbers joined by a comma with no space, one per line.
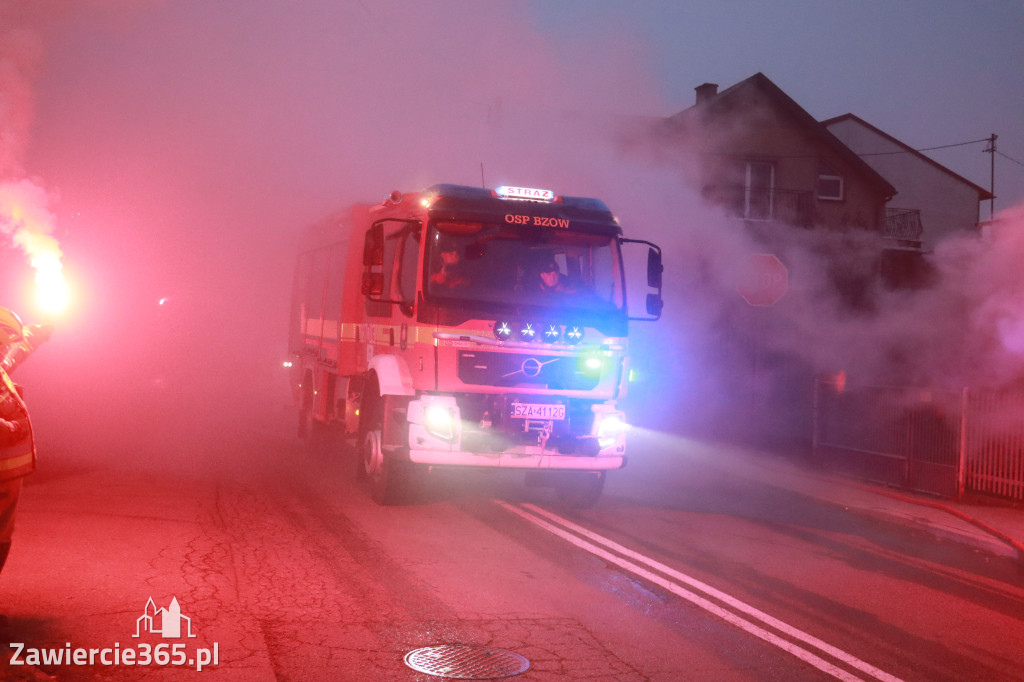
(385,476)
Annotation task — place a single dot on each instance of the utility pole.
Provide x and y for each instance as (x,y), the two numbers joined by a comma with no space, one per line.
(991,151)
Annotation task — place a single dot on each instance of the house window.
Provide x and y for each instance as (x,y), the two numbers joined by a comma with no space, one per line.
(752,190)
(830,185)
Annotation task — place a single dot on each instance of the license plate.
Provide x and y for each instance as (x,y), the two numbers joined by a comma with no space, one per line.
(537,411)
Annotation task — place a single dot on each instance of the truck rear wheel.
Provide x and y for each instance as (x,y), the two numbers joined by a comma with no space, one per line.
(580,490)
(322,439)
(306,407)
(386,477)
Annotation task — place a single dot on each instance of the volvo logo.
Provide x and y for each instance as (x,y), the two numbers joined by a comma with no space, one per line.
(531,367)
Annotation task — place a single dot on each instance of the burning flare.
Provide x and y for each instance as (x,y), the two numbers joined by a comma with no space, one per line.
(25,218)
(52,292)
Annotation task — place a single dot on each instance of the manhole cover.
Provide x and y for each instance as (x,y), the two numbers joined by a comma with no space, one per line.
(466,662)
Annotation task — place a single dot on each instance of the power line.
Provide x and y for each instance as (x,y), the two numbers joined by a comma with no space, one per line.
(1009,158)
(925,149)
(902,151)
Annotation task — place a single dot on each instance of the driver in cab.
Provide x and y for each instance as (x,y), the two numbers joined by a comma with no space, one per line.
(451,272)
(551,278)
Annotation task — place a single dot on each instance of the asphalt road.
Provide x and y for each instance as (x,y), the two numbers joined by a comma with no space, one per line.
(689,568)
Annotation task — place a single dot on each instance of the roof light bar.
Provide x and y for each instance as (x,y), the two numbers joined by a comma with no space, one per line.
(528,193)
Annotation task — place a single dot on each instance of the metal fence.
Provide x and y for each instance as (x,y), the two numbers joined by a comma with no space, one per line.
(940,442)
(994,444)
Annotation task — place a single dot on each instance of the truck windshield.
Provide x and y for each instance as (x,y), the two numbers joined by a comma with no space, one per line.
(510,264)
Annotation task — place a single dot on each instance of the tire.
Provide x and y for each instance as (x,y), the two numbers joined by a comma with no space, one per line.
(580,490)
(386,477)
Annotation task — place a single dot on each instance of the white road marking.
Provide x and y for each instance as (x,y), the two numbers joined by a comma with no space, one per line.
(640,565)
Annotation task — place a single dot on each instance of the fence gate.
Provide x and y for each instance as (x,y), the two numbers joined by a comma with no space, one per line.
(939,442)
(994,444)
(904,437)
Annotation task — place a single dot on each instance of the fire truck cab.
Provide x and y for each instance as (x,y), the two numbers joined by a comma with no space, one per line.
(469,327)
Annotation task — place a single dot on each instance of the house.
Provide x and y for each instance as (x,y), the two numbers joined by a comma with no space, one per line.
(793,187)
(766,160)
(933,201)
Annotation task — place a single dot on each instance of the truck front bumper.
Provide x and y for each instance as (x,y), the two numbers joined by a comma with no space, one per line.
(437,436)
(517,460)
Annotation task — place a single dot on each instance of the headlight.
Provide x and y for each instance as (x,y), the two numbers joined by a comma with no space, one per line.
(611,428)
(439,421)
(434,422)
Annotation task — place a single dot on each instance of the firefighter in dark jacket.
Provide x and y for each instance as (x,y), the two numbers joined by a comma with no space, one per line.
(17,447)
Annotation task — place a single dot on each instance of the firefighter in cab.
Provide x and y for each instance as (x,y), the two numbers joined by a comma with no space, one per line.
(550,279)
(451,274)
(17,447)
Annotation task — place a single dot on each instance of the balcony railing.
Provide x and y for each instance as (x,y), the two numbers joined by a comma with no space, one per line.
(903,224)
(794,207)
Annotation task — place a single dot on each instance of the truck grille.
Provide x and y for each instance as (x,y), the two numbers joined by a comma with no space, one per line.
(556,372)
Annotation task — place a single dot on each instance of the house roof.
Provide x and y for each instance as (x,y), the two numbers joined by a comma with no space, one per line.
(721,102)
(983,194)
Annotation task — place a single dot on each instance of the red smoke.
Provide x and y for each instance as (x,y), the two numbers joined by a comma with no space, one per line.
(25,216)
(191,142)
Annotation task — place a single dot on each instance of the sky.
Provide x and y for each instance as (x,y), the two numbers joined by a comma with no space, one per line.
(928,72)
(176,148)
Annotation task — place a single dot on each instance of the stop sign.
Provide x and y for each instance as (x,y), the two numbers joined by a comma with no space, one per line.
(765,280)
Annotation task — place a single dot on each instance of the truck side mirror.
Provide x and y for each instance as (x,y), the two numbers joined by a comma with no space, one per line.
(373,284)
(654,270)
(654,305)
(373,247)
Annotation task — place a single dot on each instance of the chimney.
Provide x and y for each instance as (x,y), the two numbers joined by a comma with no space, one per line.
(706,92)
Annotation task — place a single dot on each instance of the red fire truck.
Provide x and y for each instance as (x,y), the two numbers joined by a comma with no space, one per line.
(469,327)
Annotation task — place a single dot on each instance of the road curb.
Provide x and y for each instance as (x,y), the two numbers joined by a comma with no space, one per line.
(1008,545)
(989,538)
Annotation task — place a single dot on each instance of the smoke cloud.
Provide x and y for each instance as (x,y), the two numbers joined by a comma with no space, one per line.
(25,216)
(192,141)
(20,53)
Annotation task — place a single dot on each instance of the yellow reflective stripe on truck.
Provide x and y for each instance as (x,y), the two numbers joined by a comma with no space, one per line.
(381,334)
(330,329)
